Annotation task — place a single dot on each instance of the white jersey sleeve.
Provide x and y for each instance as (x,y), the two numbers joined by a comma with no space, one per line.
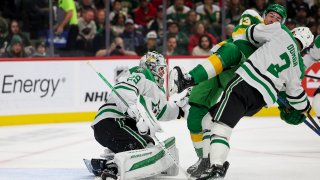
(258,34)
(276,65)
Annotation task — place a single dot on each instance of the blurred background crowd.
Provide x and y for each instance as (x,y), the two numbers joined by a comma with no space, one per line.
(46,28)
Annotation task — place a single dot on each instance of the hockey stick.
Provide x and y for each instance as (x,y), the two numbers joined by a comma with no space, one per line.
(314,77)
(119,96)
(315,127)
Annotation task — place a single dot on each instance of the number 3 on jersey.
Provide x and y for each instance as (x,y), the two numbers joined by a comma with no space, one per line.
(135,79)
(275,69)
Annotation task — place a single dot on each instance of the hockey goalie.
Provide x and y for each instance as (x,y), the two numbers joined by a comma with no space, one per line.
(126,125)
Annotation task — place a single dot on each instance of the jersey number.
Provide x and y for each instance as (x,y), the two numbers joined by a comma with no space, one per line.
(275,69)
(135,79)
(245,21)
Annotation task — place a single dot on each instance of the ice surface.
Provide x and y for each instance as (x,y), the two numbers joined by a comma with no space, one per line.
(261,148)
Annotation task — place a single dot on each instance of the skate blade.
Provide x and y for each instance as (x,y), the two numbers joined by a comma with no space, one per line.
(87,162)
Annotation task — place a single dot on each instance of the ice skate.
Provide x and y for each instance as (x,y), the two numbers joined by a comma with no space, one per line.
(179,81)
(96,166)
(110,173)
(202,166)
(216,172)
(192,168)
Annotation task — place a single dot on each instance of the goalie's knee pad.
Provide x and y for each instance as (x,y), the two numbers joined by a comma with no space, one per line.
(316,104)
(147,162)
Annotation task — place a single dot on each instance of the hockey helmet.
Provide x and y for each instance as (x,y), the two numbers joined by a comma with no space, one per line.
(304,35)
(281,10)
(156,63)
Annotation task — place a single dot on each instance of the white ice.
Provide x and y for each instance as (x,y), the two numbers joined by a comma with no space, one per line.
(261,148)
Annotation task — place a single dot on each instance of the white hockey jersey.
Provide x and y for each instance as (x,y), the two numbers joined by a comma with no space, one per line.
(276,65)
(139,82)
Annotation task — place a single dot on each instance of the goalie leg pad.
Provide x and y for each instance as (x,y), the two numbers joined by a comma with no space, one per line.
(147,162)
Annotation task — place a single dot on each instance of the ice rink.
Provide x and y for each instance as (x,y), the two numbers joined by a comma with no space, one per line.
(261,148)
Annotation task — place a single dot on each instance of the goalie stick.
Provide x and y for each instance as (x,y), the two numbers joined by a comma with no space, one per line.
(150,119)
(315,127)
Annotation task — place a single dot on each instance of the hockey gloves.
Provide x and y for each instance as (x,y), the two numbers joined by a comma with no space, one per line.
(142,126)
(292,116)
(183,104)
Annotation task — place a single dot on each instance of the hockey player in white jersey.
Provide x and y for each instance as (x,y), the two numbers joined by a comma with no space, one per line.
(275,66)
(311,57)
(121,128)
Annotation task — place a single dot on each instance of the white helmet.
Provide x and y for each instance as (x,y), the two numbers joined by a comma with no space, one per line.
(304,35)
(156,63)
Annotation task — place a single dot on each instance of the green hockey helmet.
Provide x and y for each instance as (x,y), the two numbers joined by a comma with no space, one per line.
(278,8)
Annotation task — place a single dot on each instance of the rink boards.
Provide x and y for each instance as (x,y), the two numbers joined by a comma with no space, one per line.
(68,90)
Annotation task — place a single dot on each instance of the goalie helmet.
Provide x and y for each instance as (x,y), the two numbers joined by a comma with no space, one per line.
(304,35)
(281,10)
(156,63)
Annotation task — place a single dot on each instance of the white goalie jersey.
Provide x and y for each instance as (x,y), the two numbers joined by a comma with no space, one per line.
(139,82)
(276,65)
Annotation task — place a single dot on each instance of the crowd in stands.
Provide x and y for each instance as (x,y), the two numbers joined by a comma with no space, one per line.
(136,26)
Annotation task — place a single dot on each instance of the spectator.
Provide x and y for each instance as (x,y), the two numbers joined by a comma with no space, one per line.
(150,45)
(100,20)
(85,4)
(116,9)
(14,29)
(144,13)
(178,11)
(116,49)
(294,5)
(118,24)
(301,15)
(315,12)
(129,5)
(15,48)
(182,38)
(313,26)
(290,23)
(87,29)
(209,12)
(132,39)
(234,11)
(203,47)
(229,30)
(69,22)
(99,40)
(3,34)
(40,50)
(191,20)
(157,23)
(199,31)
(259,6)
(171,46)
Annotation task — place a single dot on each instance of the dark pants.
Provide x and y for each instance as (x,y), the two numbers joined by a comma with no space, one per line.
(120,135)
(72,37)
(238,100)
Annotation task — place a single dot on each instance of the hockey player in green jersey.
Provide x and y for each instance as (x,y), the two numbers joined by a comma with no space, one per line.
(220,67)
(275,66)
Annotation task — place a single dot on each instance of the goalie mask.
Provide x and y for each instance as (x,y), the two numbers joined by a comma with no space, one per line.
(281,10)
(304,35)
(156,63)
